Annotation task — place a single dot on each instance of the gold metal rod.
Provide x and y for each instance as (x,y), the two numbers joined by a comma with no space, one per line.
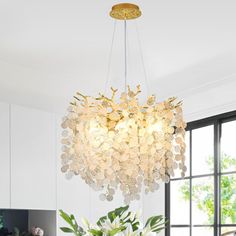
(125,52)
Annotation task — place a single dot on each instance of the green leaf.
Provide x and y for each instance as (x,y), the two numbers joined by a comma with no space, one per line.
(153,220)
(117,230)
(74,222)
(111,215)
(66,217)
(117,212)
(127,217)
(121,210)
(158,230)
(101,220)
(135,226)
(156,223)
(95,232)
(156,219)
(148,221)
(75,228)
(66,230)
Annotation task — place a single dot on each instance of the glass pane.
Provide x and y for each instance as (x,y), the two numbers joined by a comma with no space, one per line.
(179,231)
(203,201)
(203,150)
(179,202)
(202,231)
(228,148)
(228,199)
(187,154)
(228,231)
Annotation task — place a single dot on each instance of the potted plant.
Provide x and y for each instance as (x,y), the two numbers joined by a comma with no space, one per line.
(119,222)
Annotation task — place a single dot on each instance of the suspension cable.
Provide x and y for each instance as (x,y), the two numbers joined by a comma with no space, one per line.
(125,53)
(110,57)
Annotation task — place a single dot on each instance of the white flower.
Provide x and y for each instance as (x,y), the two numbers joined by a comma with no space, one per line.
(148,232)
(85,222)
(129,232)
(138,214)
(132,216)
(151,234)
(124,215)
(107,225)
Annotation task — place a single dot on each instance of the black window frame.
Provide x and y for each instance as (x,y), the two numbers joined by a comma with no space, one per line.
(217,122)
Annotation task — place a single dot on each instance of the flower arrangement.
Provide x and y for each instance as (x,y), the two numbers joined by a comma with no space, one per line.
(119,222)
(36,231)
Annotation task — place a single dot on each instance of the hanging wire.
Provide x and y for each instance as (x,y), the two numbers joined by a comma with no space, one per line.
(125,53)
(142,59)
(125,57)
(109,58)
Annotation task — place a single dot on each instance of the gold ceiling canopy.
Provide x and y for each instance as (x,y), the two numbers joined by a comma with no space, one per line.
(125,11)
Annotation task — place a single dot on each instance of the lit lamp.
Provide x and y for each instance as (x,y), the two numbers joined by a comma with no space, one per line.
(121,143)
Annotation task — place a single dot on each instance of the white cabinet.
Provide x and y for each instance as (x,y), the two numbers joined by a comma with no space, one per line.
(33,164)
(4,156)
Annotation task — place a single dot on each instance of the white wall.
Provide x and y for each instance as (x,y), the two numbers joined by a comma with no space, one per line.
(5,176)
(210,99)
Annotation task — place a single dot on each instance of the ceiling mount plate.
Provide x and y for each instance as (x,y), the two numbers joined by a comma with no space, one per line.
(125,11)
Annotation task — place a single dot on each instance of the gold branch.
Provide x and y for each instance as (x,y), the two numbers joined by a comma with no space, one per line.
(113,93)
(83,96)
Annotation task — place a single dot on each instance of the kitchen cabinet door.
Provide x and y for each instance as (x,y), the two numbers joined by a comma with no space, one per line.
(4,155)
(33,163)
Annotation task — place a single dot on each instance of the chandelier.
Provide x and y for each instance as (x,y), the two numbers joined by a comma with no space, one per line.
(115,142)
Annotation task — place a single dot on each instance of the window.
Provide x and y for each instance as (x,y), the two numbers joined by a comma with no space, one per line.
(203,203)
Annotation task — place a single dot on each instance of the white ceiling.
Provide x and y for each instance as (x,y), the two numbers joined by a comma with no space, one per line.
(51,48)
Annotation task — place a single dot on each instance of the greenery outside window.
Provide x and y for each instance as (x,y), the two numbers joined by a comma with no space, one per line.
(204,202)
